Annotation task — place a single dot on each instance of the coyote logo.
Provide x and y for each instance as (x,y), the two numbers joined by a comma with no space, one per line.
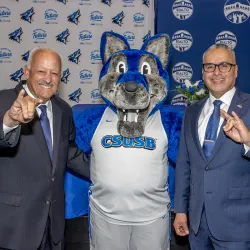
(118,18)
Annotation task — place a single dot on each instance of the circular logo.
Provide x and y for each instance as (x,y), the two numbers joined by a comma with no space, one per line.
(182,40)
(182,9)
(237,11)
(227,38)
(182,71)
(179,99)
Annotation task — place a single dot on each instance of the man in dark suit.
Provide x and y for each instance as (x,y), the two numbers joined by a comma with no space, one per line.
(213,172)
(36,144)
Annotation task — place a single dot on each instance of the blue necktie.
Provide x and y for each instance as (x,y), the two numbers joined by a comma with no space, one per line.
(46,128)
(211,130)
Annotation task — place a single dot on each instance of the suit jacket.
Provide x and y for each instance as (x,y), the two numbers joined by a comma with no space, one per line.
(222,183)
(31,185)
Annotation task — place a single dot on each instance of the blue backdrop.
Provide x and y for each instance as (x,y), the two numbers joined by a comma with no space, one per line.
(197,24)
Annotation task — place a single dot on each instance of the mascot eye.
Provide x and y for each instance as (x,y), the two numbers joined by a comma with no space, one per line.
(145,69)
(121,67)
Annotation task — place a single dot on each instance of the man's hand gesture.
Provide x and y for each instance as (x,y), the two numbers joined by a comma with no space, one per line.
(235,128)
(21,111)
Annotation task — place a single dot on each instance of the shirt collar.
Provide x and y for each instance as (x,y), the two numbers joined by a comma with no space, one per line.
(226,98)
(48,103)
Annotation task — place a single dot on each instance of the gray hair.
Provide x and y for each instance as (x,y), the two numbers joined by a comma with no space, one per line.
(37,49)
(220,46)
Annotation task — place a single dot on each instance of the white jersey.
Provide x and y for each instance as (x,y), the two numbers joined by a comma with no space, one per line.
(129,175)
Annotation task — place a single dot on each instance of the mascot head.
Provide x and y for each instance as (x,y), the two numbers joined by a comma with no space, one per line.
(133,82)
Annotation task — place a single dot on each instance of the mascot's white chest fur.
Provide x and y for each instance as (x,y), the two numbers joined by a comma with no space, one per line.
(125,170)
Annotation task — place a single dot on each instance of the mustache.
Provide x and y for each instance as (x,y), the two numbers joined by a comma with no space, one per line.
(47,84)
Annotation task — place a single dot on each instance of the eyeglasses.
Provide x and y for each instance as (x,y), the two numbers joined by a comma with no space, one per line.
(223,67)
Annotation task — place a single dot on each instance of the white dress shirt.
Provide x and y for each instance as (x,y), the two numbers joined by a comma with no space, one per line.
(7,129)
(208,110)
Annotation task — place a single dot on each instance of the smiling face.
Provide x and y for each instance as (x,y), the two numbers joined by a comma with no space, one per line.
(44,74)
(217,82)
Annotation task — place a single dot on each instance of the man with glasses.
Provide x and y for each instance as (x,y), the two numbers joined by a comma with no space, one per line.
(212,172)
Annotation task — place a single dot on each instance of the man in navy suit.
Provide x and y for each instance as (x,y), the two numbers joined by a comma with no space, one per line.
(37,143)
(213,171)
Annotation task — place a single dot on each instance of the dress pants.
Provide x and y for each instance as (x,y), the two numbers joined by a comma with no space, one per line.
(204,240)
(77,233)
(46,243)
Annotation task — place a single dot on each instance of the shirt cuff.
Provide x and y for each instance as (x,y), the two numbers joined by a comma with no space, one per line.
(7,129)
(246,148)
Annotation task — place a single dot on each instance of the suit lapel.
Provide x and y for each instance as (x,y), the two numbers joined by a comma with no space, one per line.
(57,121)
(37,130)
(238,105)
(35,127)
(194,126)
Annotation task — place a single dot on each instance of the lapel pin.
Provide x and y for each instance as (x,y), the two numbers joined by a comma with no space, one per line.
(239,106)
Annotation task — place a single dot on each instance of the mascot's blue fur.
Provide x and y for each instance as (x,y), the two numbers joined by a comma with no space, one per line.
(134,85)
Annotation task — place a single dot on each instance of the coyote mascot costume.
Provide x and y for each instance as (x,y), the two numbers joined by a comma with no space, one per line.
(132,142)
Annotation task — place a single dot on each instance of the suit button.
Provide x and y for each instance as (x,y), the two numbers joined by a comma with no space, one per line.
(53,179)
(207,168)
(47,202)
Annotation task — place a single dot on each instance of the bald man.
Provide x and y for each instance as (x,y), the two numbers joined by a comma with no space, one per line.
(36,145)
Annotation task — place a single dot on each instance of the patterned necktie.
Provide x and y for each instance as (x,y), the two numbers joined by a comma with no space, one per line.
(46,128)
(211,130)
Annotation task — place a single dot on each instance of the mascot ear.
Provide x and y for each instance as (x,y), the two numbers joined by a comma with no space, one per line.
(159,45)
(110,43)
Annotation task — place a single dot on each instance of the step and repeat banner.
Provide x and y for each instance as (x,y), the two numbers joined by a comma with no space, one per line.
(196,25)
(73,28)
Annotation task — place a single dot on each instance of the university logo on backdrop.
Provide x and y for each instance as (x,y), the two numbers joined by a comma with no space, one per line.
(75,95)
(28,15)
(85,37)
(84,2)
(228,38)
(95,57)
(39,36)
(128,3)
(118,18)
(182,40)
(179,99)
(146,2)
(17,75)
(39,1)
(130,36)
(51,16)
(65,76)
(182,9)
(138,20)
(16,35)
(107,2)
(62,1)
(63,36)
(75,56)
(182,71)
(85,76)
(96,18)
(95,96)
(74,17)
(5,14)
(25,56)
(237,12)
(5,55)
